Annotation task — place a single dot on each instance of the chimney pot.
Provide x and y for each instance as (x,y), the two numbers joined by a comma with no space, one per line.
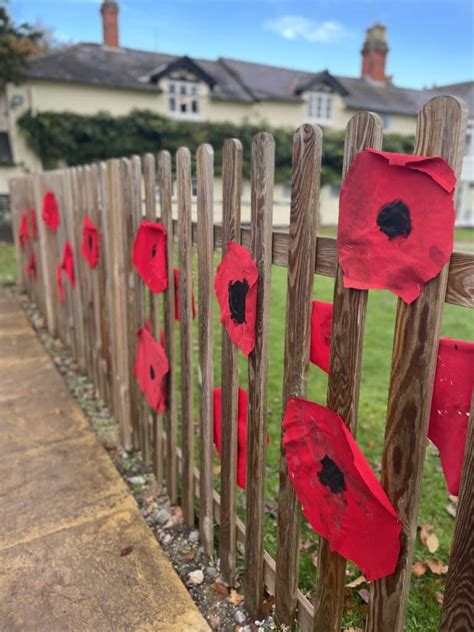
(374,53)
(109,11)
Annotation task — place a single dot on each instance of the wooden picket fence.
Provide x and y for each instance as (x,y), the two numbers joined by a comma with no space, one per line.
(99,319)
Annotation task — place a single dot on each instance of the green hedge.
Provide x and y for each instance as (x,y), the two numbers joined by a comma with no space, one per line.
(77,139)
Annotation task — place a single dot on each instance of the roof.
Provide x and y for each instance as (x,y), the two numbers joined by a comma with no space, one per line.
(229,79)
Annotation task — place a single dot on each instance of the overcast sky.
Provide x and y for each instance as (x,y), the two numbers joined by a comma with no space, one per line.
(431,41)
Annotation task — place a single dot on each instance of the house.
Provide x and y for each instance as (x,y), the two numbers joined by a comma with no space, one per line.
(87,78)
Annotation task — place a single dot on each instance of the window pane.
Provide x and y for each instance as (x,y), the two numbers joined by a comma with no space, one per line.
(195,107)
(182,89)
(172,88)
(172,104)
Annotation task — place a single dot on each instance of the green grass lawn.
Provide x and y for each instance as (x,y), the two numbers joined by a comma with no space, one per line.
(424,610)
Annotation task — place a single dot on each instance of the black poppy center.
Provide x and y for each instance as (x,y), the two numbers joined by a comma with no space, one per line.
(237,293)
(394,219)
(90,242)
(152,372)
(331,476)
(153,250)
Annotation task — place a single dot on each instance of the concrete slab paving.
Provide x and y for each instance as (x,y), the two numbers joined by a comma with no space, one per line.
(66,515)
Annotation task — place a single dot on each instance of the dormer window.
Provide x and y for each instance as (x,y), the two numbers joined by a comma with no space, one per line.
(183,98)
(320,107)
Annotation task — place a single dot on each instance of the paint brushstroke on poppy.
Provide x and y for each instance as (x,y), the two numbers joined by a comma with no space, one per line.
(149,255)
(177,311)
(450,407)
(396,222)
(59,283)
(33,224)
(50,211)
(67,263)
(30,269)
(235,285)
(23,233)
(321,331)
(241,432)
(340,495)
(90,242)
(151,369)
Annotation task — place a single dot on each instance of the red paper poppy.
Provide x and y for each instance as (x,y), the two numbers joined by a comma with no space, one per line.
(235,285)
(177,313)
(59,283)
(452,392)
(67,263)
(151,368)
(30,269)
(90,242)
(396,222)
(149,255)
(321,330)
(23,234)
(50,212)
(339,493)
(241,432)
(34,224)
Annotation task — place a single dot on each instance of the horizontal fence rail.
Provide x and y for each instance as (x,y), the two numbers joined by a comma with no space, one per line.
(100,314)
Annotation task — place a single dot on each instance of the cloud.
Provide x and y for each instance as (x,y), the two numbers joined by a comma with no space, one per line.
(292,27)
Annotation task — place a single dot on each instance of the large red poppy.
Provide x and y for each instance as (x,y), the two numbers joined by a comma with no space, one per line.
(396,222)
(177,312)
(50,212)
(339,493)
(149,255)
(241,432)
(23,233)
(30,269)
(151,368)
(90,242)
(67,263)
(452,392)
(321,331)
(34,224)
(59,283)
(235,285)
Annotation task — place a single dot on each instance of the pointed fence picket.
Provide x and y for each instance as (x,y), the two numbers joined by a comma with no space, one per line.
(100,317)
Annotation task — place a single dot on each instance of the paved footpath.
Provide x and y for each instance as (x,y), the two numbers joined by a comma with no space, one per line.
(66,514)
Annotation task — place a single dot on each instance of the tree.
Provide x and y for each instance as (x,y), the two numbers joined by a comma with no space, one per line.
(17,43)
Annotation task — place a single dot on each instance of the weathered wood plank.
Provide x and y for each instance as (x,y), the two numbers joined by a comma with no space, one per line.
(231,190)
(105,272)
(205,216)
(183,180)
(458,606)
(441,131)
(306,172)
(262,178)
(165,188)
(363,130)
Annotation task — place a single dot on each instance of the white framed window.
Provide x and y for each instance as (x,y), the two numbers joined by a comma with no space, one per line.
(320,107)
(183,98)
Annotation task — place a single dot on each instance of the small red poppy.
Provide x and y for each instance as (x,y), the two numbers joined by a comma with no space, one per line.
(23,234)
(235,285)
(321,331)
(241,432)
(59,283)
(34,224)
(67,263)
(396,222)
(177,313)
(50,212)
(339,493)
(149,255)
(151,368)
(90,242)
(30,269)
(452,392)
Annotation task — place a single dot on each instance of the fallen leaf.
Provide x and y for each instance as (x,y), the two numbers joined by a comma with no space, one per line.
(439,597)
(220,588)
(216,470)
(432,543)
(305,545)
(454,499)
(109,446)
(364,595)
(126,551)
(176,517)
(214,622)
(437,567)
(267,605)
(418,569)
(451,509)
(425,530)
(314,559)
(235,598)
(357,582)
(191,554)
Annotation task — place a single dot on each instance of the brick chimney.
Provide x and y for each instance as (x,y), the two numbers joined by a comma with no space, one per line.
(109,10)
(374,53)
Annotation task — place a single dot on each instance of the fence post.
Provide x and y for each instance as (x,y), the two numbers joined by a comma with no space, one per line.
(263,167)
(231,192)
(306,173)
(205,250)
(185,249)
(441,132)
